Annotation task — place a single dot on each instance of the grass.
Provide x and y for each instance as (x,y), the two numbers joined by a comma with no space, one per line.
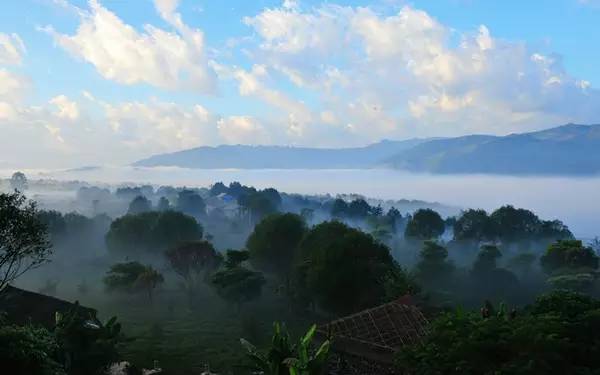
(185,341)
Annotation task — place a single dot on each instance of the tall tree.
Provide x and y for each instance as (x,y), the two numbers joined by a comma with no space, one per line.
(346,270)
(433,269)
(18,181)
(274,241)
(191,203)
(24,241)
(193,261)
(473,225)
(151,232)
(513,224)
(139,204)
(236,283)
(425,224)
(163,204)
(568,256)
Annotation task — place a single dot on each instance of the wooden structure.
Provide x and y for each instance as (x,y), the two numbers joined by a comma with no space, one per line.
(364,343)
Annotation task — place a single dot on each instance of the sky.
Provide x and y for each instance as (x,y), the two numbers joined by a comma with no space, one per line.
(112,81)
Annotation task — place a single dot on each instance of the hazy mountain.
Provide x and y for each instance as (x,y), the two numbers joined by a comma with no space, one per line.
(565,150)
(279,157)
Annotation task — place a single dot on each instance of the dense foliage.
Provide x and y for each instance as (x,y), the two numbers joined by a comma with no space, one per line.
(284,357)
(425,224)
(556,335)
(273,243)
(151,232)
(344,269)
(236,283)
(29,350)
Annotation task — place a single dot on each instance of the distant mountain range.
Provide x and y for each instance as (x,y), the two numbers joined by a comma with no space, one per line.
(565,150)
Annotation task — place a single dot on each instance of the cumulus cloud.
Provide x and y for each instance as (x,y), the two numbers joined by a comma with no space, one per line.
(66,108)
(12,86)
(11,49)
(402,75)
(174,60)
(242,130)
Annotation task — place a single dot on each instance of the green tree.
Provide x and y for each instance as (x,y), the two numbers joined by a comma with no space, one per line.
(344,269)
(535,340)
(218,188)
(523,264)
(433,270)
(473,225)
(193,262)
(487,259)
(425,224)
(149,280)
(235,283)
(567,256)
(490,281)
(18,181)
(339,208)
(554,230)
(274,242)
(151,232)
(87,346)
(359,209)
(513,224)
(29,350)
(123,276)
(163,204)
(24,241)
(139,205)
(191,203)
(570,265)
(260,203)
(133,277)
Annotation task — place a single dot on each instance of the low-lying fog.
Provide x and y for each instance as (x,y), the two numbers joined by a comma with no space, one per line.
(576,201)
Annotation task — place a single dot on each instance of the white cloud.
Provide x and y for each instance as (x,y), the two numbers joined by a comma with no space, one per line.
(11,49)
(402,75)
(12,86)
(154,127)
(242,130)
(119,52)
(66,108)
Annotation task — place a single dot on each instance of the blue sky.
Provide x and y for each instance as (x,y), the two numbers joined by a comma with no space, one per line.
(142,77)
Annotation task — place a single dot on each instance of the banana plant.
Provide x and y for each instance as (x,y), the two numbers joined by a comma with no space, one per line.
(284,357)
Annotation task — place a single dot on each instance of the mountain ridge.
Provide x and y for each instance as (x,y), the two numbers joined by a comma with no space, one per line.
(569,149)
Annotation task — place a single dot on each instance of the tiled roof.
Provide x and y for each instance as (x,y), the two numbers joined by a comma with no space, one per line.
(377,332)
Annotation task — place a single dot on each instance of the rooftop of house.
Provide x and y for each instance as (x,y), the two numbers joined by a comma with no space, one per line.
(377,333)
(22,306)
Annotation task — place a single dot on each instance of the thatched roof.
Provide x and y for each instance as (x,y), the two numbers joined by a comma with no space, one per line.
(22,306)
(377,333)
